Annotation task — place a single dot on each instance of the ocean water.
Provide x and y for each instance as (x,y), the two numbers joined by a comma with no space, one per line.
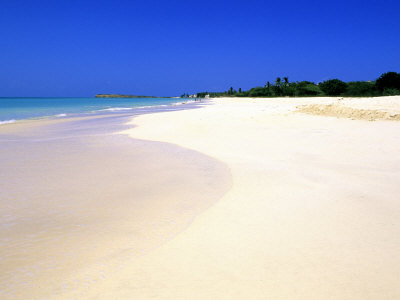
(14,109)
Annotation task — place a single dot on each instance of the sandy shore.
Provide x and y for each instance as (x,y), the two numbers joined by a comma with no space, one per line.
(77,199)
(313,212)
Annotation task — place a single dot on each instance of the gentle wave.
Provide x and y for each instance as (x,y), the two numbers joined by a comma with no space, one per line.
(28,108)
(151,106)
(131,108)
(7,122)
(116,109)
(184,102)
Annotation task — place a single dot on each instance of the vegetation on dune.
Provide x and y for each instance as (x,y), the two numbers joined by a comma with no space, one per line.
(333,87)
(307,88)
(387,84)
(361,88)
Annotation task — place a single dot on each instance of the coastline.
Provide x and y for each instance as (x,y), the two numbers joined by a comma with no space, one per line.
(21,109)
(313,212)
(78,199)
(305,217)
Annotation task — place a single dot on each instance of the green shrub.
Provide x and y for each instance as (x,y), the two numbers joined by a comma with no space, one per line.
(391,92)
(242,94)
(307,88)
(333,87)
(360,88)
(389,80)
(289,90)
(258,92)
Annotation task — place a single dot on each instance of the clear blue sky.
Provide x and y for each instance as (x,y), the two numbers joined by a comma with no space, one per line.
(80,48)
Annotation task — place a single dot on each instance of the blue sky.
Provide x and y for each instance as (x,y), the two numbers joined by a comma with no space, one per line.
(166,48)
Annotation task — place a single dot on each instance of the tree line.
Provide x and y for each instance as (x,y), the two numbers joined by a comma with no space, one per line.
(387,84)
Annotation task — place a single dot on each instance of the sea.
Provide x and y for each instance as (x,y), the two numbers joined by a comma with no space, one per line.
(15,109)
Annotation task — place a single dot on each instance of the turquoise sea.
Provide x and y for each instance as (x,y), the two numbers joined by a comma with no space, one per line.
(14,109)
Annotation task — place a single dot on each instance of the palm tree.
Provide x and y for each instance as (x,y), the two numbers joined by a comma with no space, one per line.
(267,85)
(286,80)
(278,81)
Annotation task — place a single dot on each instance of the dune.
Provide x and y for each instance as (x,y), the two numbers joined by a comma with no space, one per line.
(382,108)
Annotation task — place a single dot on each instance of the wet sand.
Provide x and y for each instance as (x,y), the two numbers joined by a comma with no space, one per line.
(78,200)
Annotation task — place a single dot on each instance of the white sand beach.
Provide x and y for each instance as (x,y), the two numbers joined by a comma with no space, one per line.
(212,150)
(314,211)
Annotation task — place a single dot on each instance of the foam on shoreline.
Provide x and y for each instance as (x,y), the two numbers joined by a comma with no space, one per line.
(7,122)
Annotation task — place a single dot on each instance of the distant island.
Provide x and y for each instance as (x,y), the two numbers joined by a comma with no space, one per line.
(123,96)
